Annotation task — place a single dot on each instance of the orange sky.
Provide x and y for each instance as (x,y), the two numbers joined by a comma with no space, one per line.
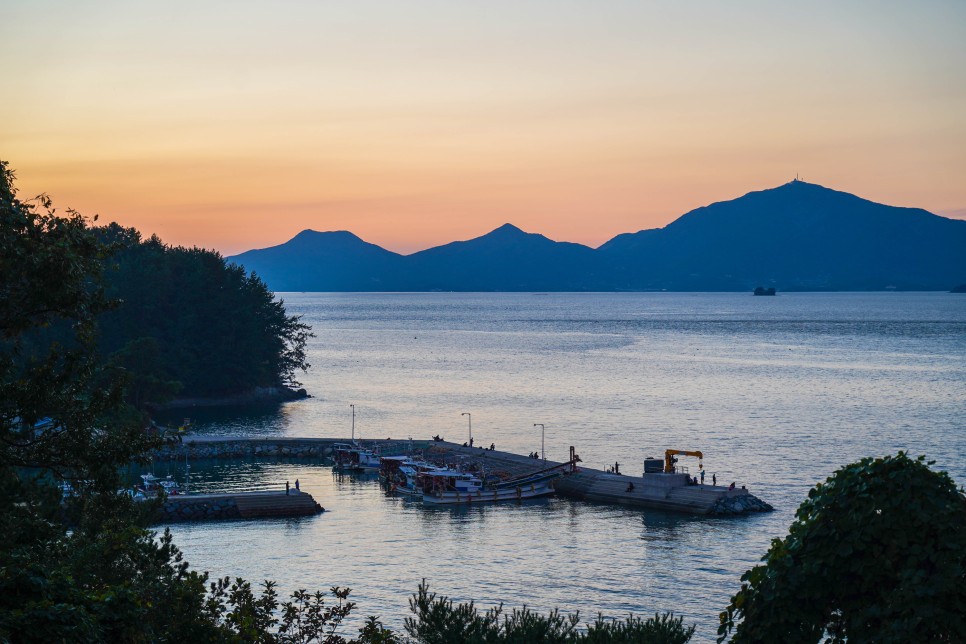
(234,125)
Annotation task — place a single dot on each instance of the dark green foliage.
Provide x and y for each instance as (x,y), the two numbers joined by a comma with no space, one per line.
(375,633)
(660,629)
(189,323)
(246,617)
(106,579)
(47,263)
(877,554)
(438,621)
(49,266)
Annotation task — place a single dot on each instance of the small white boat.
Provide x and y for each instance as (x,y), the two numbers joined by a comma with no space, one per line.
(154,486)
(354,458)
(67,491)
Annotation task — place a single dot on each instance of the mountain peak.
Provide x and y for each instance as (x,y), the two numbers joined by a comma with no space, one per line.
(309,234)
(801,184)
(506,229)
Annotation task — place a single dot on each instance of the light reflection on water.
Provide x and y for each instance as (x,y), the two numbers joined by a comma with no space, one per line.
(777,393)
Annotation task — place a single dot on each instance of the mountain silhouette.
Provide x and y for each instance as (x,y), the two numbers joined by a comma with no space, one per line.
(798,236)
(506,259)
(325,261)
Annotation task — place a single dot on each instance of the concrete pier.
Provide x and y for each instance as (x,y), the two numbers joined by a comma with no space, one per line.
(237,505)
(660,491)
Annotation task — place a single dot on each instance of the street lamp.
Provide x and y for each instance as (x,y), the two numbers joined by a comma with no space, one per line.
(469,418)
(353,423)
(543,449)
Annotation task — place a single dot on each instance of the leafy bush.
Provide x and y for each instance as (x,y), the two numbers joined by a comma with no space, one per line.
(438,621)
(877,554)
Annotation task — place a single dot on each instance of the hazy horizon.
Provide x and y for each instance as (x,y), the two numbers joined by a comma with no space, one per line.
(235,126)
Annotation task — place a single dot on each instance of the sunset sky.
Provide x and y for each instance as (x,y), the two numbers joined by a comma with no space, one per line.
(234,125)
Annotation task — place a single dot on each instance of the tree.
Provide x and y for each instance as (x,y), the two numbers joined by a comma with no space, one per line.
(438,621)
(83,568)
(877,554)
(215,329)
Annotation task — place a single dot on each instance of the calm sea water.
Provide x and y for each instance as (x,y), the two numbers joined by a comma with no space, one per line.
(777,392)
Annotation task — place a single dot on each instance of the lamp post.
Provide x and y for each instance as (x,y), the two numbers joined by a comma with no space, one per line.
(353,422)
(543,449)
(469,419)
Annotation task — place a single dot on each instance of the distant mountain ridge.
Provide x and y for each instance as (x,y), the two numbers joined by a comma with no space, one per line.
(798,236)
(329,261)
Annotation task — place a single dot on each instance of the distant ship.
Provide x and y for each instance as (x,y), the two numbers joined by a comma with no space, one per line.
(761,290)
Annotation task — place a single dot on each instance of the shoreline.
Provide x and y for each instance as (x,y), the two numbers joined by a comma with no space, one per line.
(257,395)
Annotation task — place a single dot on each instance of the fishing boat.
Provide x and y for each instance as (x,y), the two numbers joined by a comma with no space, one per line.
(449,487)
(390,467)
(354,458)
(401,474)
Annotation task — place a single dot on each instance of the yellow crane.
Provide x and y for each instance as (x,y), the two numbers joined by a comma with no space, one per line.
(669,459)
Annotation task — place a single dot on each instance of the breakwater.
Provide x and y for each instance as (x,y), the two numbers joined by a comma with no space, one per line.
(238,505)
(215,447)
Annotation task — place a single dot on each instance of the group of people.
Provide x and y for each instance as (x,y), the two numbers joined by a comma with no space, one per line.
(297,490)
(533,455)
(439,439)
(714,480)
(491,448)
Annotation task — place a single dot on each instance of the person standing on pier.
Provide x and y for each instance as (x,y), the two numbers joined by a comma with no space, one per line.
(702,480)
(286,488)
(714,479)
(297,483)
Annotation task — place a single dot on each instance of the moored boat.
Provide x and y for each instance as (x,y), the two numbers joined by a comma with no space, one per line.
(401,474)
(450,487)
(354,458)
(155,486)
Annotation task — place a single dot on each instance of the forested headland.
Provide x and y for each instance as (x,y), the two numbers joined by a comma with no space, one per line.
(188,324)
(183,323)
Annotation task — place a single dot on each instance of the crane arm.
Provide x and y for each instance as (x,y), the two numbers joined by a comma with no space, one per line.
(669,458)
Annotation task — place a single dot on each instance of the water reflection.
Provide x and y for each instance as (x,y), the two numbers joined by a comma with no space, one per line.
(244,420)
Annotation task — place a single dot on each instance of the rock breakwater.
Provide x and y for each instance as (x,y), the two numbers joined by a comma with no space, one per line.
(244,448)
(187,508)
(739,504)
